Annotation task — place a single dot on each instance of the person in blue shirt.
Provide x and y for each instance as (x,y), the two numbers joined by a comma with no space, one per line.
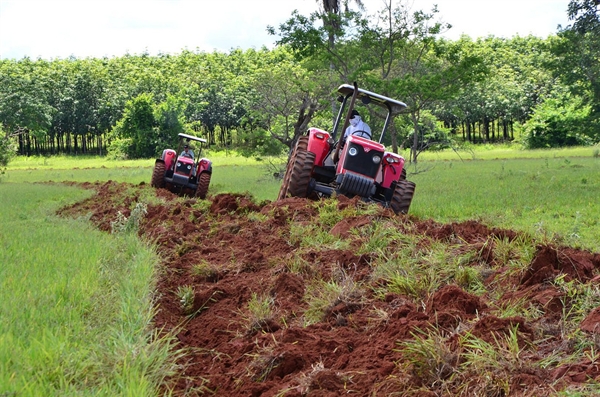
(187,152)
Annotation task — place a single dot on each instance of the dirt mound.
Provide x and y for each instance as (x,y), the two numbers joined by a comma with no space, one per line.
(288,299)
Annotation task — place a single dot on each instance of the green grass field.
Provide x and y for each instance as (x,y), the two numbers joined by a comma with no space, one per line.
(75,303)
(555,197)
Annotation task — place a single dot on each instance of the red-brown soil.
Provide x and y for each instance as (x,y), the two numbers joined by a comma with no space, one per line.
(356,348)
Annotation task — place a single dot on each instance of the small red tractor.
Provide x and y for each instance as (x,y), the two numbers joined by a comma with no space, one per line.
(183,174)
(319,166)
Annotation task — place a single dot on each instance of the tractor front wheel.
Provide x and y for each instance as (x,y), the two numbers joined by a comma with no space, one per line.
(302,145)
(301,174)
(203,182)
(158,175)
(402,197)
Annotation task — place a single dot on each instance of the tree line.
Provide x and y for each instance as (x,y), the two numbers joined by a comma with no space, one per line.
(259,101)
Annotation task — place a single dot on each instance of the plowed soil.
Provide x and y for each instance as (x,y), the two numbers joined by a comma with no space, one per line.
(232,251)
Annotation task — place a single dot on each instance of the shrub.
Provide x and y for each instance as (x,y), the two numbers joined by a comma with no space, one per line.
(259,143)
(119,149)
(556,122)
(7,149)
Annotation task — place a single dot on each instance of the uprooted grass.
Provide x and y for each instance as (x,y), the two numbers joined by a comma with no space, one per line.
(323,296)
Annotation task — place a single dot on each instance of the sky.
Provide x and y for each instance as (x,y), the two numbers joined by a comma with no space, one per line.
(52,29)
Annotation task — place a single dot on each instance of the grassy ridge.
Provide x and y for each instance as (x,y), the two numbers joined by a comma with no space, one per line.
(75,303)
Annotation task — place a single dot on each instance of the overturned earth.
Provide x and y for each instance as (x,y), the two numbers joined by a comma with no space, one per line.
(328,298)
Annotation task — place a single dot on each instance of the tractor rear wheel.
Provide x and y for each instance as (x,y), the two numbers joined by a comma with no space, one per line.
(301,144)
(402,197)
(301,174)
(203,182)
(158,175)
(403,174)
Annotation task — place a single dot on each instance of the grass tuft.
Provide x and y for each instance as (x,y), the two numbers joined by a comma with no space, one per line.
(430,357)
(129,225)
(322,296)
(261,310)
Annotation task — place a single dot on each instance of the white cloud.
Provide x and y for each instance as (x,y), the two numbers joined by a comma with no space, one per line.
(96,28)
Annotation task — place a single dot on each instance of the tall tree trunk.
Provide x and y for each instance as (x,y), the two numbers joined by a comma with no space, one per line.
(28,144)
(394,137)
(486,129)
(415,146)
(469,137)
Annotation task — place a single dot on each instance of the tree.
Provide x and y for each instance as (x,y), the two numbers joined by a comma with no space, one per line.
(137,127)
(517,81)
(7,151)
(23,106)
(412,64)
(394,53)
(331,21)
(578,50)
(331,16)
(287,97)
(169,122)
(585,15)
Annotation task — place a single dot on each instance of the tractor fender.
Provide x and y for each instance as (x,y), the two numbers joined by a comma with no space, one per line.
(318,143)
(168,157)
(204,165)
(392,169)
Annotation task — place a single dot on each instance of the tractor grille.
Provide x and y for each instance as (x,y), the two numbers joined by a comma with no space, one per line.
(362,162)
(182,168)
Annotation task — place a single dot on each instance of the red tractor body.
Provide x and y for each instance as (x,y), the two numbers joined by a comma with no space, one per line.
(320,167)
(181,174)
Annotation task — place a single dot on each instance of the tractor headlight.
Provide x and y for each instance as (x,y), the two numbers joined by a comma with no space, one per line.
(178,164)
(353,151)
(189,167)
(376,159)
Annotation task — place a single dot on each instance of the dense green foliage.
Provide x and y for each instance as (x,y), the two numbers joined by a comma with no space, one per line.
(544,90)
(145,128)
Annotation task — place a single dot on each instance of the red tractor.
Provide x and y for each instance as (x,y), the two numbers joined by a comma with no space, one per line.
(183,173)
(321,167)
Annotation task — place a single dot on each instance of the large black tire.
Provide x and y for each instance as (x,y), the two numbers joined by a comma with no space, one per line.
(403,174)
(301,144)
(301,174)
(402,197)
(203,182)
(158,175)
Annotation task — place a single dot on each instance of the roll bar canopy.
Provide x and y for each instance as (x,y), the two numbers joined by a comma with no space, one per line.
(191,137)
(393,106)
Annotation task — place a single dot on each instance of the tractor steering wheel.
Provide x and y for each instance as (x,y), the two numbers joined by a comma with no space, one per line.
(361,132)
